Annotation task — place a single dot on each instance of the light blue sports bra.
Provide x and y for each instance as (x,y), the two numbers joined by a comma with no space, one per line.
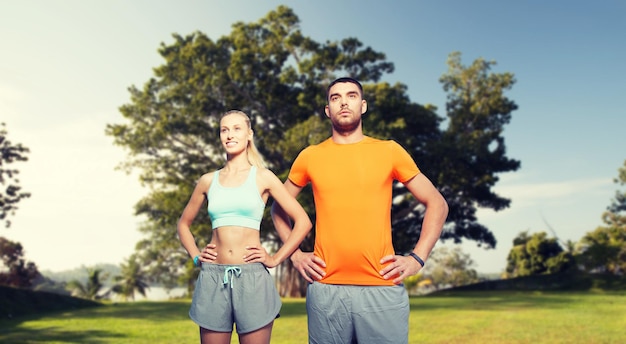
(235,206)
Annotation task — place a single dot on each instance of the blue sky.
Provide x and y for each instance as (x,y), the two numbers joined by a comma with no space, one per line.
(65,68)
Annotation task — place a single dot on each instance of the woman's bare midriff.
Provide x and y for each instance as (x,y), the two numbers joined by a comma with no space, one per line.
(231,243)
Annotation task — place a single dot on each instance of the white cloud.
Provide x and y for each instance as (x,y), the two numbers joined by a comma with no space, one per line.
(532,194)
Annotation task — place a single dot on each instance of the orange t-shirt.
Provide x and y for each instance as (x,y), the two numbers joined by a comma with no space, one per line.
(352,188)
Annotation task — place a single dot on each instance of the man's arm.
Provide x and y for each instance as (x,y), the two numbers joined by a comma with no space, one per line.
(434,219)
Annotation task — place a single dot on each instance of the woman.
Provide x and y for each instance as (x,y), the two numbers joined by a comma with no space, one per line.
(234,285)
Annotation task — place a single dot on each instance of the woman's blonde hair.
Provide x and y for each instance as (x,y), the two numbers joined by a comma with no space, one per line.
(254,157)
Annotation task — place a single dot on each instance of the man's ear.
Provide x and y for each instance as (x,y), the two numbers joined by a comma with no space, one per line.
(326,111)
(363,106)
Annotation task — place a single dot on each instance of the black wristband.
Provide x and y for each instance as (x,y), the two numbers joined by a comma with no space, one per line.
(419,260)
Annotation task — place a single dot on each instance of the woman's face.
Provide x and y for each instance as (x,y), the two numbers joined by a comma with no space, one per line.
(234,133)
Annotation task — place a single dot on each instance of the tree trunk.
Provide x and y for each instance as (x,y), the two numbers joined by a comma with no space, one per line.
(290,283)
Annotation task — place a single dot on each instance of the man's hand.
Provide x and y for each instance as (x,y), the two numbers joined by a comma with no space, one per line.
(399,266)
(309,266)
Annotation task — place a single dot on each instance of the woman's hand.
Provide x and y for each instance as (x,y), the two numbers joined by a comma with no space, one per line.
(259,255)
(209,254)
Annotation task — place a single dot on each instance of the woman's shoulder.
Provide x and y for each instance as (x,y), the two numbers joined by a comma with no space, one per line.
(205,179)
(264,172)
(266,175)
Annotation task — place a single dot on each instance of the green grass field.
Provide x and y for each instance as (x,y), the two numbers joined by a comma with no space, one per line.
(459,317)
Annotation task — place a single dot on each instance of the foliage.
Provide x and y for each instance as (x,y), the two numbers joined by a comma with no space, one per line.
(270,70)
(43,283)
(56,281)
(78,273)
(131,280)
(412,283)
(604,250)
(92,289)
(17,272)
(450,267)
(537,254)
(10,193)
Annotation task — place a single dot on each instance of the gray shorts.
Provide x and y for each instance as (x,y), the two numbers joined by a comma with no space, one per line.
(346,314)
(244,295)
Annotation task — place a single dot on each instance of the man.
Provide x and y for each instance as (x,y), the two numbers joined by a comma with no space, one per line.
(355,292)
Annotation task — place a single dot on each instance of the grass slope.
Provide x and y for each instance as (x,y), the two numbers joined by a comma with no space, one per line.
(573,281)
(16,302)
(540,309)
(463,317)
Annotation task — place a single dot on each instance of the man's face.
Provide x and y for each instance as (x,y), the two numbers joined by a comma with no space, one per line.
(345,106)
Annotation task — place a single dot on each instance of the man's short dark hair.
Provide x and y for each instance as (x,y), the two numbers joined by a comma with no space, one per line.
(345,79)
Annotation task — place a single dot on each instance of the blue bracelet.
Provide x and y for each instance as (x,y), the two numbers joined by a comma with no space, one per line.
(419,260)
(196,260)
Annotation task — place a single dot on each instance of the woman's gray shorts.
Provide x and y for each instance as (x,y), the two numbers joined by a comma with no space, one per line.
(244,295)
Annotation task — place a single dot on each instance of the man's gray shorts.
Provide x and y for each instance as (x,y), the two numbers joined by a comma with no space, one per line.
(244,295)
(345,314)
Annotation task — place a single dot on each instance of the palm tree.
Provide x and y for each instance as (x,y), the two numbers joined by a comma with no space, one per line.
(91,289)
(131,280)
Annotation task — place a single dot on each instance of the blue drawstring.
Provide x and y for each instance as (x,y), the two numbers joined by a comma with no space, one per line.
(232,270)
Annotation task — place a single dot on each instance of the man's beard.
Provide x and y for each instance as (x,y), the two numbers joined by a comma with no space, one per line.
(346,127)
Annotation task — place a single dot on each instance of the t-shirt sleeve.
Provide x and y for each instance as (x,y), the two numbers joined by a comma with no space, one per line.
(298,173)
(404,167)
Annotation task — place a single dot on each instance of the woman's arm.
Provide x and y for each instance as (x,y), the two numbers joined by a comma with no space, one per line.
(189,214)
(301,222)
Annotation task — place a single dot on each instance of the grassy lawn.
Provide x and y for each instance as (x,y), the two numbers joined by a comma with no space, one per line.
(461,317)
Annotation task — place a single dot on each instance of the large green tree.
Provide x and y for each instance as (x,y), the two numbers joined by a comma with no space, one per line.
(471,151)
(604,249)
(10,190)
(270,70)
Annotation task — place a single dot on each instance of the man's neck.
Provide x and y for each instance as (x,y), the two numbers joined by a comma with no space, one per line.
(348,138)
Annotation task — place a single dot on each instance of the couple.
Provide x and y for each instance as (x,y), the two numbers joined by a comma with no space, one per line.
(355,291)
